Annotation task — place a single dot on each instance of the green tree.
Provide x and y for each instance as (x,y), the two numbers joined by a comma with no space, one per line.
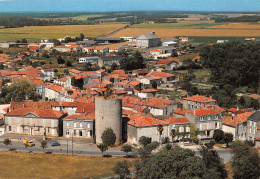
(108,137)
(213,162)
(218,135)
(102,148)
(145,151)
(127,148)
(154,85)
(144,140)
(245,162)
(43,144)
(7,141)
(24,41)
(173,134)
(228,137)
(19,91)
(81,37)
(131,61)
(174,163)
(121,168)
(160,130)
(60,60)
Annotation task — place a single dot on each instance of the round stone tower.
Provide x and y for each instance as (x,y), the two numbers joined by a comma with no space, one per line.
(108,114)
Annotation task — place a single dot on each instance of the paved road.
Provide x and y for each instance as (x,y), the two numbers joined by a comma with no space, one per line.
(81,147)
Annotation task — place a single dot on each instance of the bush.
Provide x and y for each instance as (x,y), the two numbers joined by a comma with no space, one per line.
(145,140)
(127,148)
(108,137)
(121,168)
(7,141)
(218,135)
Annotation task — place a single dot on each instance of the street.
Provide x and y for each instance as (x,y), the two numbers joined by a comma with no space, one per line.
(81,147)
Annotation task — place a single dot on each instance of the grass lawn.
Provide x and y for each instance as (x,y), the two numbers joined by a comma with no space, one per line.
(174,26)
(200,73)
(36,165)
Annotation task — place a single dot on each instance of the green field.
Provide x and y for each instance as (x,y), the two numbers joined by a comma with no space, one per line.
(213,39)
(85,17)
(174,26)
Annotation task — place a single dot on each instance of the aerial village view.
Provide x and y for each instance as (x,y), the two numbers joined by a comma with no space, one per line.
(130,89)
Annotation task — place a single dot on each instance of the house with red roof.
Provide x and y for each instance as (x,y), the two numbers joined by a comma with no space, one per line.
(253,128)
(197,101)
(166,77)
(53,92)
(206,121)
(31,121)
(170,63)
(147,93)
(143,125)
(159,106)
(237,125)
(79,125)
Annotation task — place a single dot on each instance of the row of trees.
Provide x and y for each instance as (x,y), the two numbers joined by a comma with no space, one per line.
(13,22)
(183,163)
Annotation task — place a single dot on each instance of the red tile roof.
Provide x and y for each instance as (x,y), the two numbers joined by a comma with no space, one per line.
(178,120)
(144,121)
(154,50)
(54,87)
(118,72)
(180,111)
(42,113)
(161,74)
(234,120)
(201,99)
(199,112)
(88,117)
(86,108)
(149,90)
(159,103)
(48,69)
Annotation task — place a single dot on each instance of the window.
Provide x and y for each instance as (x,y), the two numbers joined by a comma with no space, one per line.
(150,131)
(18,120)
(88,126)
(67,132)
(173,126)
(156,132)
(9,128)
(254,131)
(43,121)
(75,124)
(80,124)
(52,122)
(30,119)
(75,133)
(181,129)
(80,132)
(67,124)
(143,132)
(216,125)
(187,129)
(250,130)
(250,123)
(254,124)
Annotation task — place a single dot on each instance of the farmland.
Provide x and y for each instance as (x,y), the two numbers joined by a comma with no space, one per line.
(135,32)
(174,26)
(236,26)
(34,33)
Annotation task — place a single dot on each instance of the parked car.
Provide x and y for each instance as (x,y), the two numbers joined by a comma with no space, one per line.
(29,142)
(55,143)
(224,146)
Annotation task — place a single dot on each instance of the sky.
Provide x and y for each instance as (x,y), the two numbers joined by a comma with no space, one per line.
(128,5)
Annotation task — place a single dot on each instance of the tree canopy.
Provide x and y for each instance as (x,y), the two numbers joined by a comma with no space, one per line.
(233,63)
(131,61)
(108,137)
(18,91)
